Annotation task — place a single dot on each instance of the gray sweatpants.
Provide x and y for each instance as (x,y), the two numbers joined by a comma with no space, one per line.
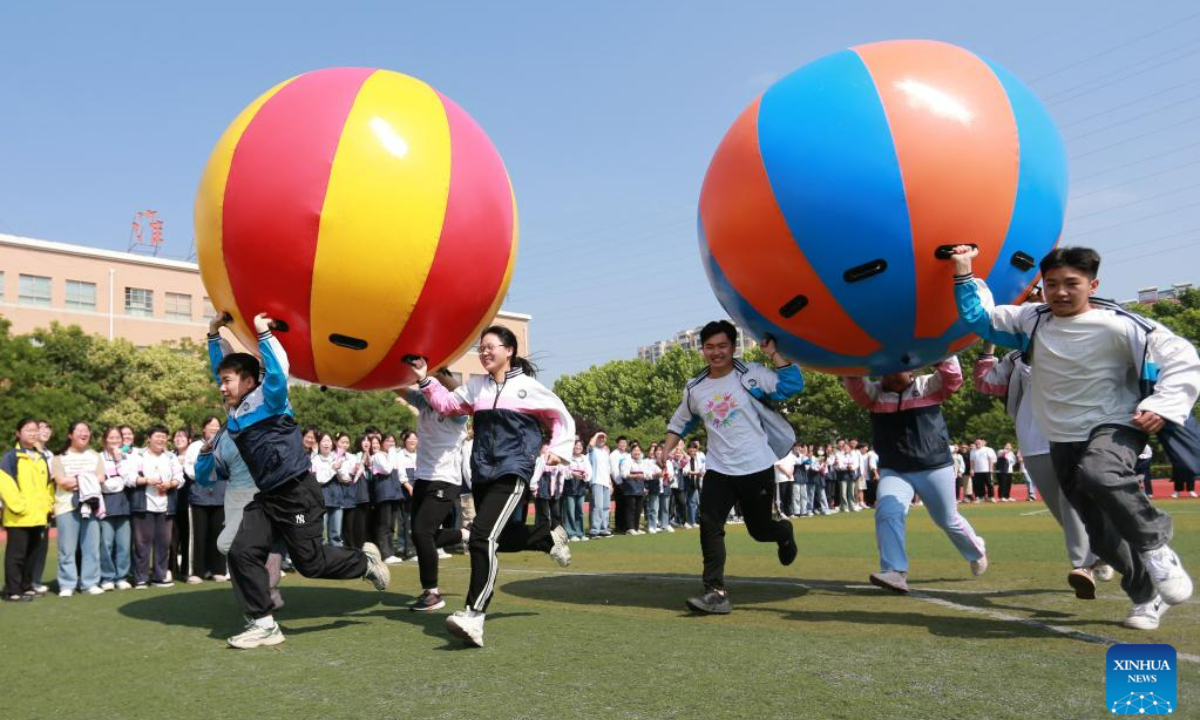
(236,500)
(1039,473)
(1098,479)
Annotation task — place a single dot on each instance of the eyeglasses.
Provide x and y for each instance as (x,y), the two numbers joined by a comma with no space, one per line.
(488,348)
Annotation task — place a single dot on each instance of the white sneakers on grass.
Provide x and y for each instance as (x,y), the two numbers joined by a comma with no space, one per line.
(256,635)
(1147,615)
(561,552)
(466,625)
(1168,575)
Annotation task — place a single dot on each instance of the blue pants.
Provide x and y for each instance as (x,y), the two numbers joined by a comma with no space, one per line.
(83,534)
(937,489)
(116,547)
(601,497)
(693,505)
(573,515)
(333,526)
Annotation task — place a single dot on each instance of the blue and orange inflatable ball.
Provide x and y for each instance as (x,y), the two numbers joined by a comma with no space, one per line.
(366,212)
(825,205)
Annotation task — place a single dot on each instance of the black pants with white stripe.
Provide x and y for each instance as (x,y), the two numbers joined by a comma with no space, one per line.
(491,532)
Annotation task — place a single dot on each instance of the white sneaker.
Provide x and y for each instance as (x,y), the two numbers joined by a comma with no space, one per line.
(561,552)
(1168,575)
(94,590)
(377,572)
(194,580)
(669,529)
(585,538)
(220,578)
(256,636)
(467,625)
(1102,571)
(443,554)
(107,585)
(980,566)
(65,593)
(123,585)
(1193,494)
(653,531)
(1147,615)
(394,560)
(1174,496)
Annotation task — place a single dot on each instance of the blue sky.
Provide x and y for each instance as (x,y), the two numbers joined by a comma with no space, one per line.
(606,115)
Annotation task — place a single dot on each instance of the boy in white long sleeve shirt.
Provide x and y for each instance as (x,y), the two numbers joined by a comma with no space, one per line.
(1102,380)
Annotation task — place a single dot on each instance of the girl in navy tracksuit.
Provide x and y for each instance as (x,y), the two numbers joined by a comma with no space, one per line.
(511,409)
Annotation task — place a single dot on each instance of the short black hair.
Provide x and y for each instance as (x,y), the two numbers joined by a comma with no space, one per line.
(1085,260)
(160,428)
(622,437)
(244,364)
(717,327)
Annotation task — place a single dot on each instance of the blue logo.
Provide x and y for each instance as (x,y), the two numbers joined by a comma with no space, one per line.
(1140,680)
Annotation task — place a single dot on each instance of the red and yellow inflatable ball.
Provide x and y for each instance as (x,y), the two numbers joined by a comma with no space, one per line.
(368,213)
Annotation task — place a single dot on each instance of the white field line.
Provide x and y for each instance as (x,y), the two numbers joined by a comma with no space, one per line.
(919,595)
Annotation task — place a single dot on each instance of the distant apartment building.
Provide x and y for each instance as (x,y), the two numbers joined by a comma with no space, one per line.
(144,299)
(690,338)
(1151,295)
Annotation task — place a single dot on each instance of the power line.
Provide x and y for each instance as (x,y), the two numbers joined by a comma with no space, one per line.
(1139,136)
(1135,220)
(1137,101)
(1152,254)
(1172,151)
(1123,73)
(1134,180)
(1161,29)
(1076,138)
(1176,191)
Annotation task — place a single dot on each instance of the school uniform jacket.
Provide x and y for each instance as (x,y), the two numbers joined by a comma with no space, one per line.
(910,432)
(262,425)
(509,418)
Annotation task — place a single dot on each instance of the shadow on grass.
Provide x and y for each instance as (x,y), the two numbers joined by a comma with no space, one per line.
(433,624)
(664,591)
(219,611)
(967,626)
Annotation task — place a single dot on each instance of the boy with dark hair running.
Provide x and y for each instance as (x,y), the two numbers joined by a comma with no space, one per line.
(289,504)
(1102,380)
(745,440)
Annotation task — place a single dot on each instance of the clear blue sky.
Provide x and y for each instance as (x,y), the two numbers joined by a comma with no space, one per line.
(606,115)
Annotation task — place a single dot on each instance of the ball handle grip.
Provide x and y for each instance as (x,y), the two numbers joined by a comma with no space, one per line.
(945,252)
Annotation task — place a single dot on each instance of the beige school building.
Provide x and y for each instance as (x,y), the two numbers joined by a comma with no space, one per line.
(141,298)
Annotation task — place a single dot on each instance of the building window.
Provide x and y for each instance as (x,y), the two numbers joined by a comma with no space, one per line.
(139,301)
(179,305)
(34,290)
(210,312)
(81,295)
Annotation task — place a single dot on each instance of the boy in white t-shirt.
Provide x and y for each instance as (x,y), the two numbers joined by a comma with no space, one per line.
(1102,380)
(729,397)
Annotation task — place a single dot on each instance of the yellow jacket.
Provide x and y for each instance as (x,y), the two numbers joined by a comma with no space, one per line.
(25,488)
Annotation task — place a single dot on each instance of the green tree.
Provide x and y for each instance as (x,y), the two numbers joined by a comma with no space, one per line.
(334,410)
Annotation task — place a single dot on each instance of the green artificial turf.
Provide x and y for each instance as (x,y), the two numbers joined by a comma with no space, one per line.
(610,638)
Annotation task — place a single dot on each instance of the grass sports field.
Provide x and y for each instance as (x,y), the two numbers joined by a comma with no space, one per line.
(609,637)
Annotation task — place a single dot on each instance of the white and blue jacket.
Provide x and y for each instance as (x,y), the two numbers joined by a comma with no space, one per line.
(262,425)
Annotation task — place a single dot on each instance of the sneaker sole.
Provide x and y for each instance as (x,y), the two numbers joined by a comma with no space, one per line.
(1138,625)
(706,610)
(877,582)
(265,642)
(441,604)
(459,632)
(1084,589)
